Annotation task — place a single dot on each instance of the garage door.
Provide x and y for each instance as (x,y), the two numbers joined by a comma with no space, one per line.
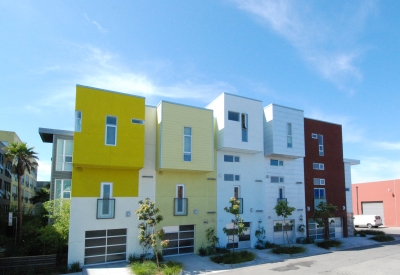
(373,208)
(181,239)
(102,246)
(242,241)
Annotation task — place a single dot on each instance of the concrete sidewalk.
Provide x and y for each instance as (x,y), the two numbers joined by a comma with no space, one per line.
(195,264)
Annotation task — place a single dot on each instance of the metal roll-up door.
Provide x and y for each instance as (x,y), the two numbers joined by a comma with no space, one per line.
(373,208)
(103,246)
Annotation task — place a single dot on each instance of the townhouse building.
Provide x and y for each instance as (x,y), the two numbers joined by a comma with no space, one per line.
(185,184)
(327,177)
(28,179)
(191,161)
(61,167)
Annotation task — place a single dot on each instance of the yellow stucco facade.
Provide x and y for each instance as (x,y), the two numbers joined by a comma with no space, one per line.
(94,161)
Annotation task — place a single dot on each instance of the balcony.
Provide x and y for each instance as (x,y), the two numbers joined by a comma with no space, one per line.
(282,199)
(180,207)
(105,208)
(318,201)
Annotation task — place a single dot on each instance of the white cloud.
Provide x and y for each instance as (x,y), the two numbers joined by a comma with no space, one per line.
(321,39)
(375,169)
(44,170)
(99,27)
(388,145)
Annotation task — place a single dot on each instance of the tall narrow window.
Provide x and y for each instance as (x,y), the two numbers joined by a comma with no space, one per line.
(321,145)
(187,144)
(236,192)
(111,130)
(245,126)
(289,135)
(64,155)
(281,192)
(180,202)
(105,205)
(78,121)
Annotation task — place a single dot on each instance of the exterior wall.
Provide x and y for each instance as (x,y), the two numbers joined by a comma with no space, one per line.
(5,185)
(229,133)
(276,118)
(200,191)
(133,176)
(89,147)
(379,191)
(334,169)
(172,118)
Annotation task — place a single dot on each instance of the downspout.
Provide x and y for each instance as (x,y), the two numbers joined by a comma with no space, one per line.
(357,199)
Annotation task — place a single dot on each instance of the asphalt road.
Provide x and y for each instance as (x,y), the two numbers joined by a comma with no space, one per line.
(376,259)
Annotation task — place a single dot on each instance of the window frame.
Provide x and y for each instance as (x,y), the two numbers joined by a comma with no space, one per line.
(187,153)
(234,176)
(109,125)
(234,158)
(318,166)
(280,179)
(279,162)
(78,121)
(245,126)
(289,133)
(319,193)
(62,192)
(320,181)
(233,113)
(110,203)
(64,155)
(321,145)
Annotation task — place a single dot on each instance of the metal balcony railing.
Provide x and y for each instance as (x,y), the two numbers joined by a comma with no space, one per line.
(105,208)
(180,207)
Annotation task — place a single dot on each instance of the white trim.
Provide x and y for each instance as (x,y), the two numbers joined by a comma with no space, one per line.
(191,143)
(183,191)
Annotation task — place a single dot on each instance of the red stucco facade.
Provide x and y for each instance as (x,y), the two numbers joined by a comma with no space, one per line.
(379,191)
(333,172)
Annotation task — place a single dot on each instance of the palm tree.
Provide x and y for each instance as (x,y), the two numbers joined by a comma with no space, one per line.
(23,158)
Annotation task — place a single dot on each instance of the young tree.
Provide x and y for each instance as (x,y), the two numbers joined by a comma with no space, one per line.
(238,225)
(147,212)
(283,209)
(59,212)
(23,159)
(322,214)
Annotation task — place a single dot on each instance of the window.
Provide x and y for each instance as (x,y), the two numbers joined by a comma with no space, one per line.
(236,192)
(321,145)
(231,177)
(314,136)
(245,127)
(229,158)
(289,135)
(1,164)
(63,189)
(105,205)
(111,130)
(319,193)
(318,181)
(275,162)
(8,169)
(233,116)
(187,144)
(281,192)
(78,121)
(318,166)
(64,155)
(276,179)
(180,202)
(137,121)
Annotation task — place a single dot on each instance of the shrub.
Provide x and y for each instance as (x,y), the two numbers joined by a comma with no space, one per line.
(172,268)
(328,243)
(234,257)
(288,250)
(370,232)
(132,258)
(150,268)
(221,250)
(74,267)
(203,251)
(382,238)
(268,245)
(303,240)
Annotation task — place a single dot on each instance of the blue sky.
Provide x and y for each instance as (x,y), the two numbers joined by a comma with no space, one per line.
(339,61)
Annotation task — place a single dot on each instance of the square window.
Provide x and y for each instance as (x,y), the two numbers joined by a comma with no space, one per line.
(228,177)
(237,177)
(237,159)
